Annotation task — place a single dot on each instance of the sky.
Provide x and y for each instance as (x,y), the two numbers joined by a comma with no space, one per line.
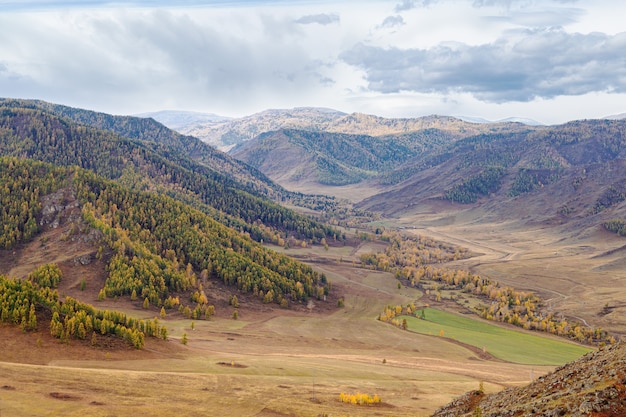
(547,60)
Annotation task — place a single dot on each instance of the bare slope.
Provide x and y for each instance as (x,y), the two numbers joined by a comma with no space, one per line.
(591,386)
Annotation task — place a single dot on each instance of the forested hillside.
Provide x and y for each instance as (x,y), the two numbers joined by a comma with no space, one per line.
(148,130)
(147,165)
(156,248)
(333,158)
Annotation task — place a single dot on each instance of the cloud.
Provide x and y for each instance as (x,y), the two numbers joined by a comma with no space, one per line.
(412,4)
(126,58)
(321,19)
(392,22)
(519,67)
(506,4)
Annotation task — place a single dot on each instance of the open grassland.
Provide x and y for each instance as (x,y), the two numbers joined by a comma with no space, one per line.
(579,272)
(509,345)
(269,362)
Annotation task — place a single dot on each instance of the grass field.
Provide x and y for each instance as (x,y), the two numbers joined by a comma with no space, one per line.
(509,345)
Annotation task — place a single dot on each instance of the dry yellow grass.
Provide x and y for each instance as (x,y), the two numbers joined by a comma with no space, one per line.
(286,363)
(270,362)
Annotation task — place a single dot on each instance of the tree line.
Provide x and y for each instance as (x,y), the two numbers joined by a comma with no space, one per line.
(503,303)
(24,302)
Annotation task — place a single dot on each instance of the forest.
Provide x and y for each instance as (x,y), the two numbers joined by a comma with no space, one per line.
(32,133)
(156,248)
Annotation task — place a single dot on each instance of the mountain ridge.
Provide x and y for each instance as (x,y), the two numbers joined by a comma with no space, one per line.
(36,133)
(225,135)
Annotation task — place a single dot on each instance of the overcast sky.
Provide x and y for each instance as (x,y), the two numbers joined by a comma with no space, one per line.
(548,60)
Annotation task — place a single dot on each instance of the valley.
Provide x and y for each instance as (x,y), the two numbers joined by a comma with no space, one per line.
(269,362)
(278,312)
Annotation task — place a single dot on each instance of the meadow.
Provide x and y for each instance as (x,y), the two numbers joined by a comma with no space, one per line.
(506,344)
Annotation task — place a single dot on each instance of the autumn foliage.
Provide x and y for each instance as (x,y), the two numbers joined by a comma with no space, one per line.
(359,399)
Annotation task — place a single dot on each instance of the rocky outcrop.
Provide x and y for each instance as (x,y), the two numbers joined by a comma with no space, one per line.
(594,386)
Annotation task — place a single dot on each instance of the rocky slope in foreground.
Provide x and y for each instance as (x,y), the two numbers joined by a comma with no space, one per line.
(594,385)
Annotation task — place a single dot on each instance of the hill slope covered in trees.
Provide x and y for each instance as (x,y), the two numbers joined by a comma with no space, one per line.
(155,248)
(570,171)
(159,162)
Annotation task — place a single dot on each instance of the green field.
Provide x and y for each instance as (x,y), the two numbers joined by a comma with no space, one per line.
(509,345)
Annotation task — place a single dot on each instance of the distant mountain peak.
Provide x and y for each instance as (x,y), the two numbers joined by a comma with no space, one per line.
(513,119)
(619,116)
(178,119)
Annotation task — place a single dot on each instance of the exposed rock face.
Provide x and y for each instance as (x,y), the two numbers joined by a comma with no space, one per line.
(60,206)
(594,385)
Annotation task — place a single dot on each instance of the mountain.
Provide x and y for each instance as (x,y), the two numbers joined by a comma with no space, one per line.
(289,156)
(151,157)
(593,385)
(616,116)
(522,120)
(568,172)
(225,135)
(338,156)
(180,120)
(228,133)
(149,130)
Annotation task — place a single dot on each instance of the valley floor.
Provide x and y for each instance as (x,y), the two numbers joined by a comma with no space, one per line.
(276,362)
(270,362)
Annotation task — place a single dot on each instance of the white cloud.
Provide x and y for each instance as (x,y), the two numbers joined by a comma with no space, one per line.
(322,19)
(234,58)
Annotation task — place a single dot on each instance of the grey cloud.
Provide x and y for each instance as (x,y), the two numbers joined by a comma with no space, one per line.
(322,19)
(522,66)
(392,22)
(326,81)
(125,59)
(412,4)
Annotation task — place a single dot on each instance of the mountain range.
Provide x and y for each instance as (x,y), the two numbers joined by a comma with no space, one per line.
(566,173)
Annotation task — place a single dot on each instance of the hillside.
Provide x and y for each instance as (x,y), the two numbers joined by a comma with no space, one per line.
(593,385)
(147,165)
(155,248)
(334,157)
(148,130)
(289,156)
(565,173)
